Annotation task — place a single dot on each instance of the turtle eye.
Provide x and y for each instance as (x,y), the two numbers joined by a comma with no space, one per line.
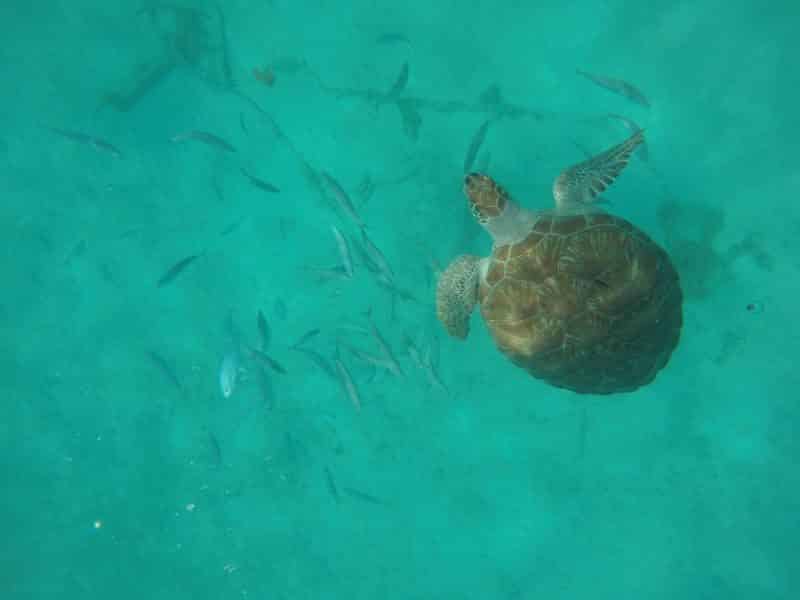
(476,212)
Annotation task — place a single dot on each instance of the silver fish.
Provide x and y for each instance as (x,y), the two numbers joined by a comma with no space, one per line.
(308,335)
(205,137)
(364,257)
(344,252)
(388,283)
(424,363)
(280,309)
(320,361)
(435,381)
(325,274)
(633,127)
(176,270)
(347,383)
(265,186)
(392,38)
(371,359)
(89,140)
(165,367)
(376,256)
(413,351)
(400,82)
(623,88)
(234,333)
(229,374)
(412,120)
(342,198)
(334,491)
(583,149)
(265,386)
(475,146)
(384,347)
(264,330)
(268,361)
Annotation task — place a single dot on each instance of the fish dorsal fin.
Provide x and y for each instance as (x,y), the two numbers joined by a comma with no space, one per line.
(581,184)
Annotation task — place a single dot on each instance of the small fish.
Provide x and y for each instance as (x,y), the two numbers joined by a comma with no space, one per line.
(205,137)
(305,338)
(320,361)
(583,149)
(631,126)
(227,71)
(280,309)
(242,123)
(431,355)
(424,364)
(269,361)
(371,359)
(228,374)
(231,228)
(165,368)
(409,114)
(475,146)
(375,255)
(399,83)
(82,138)
(384,346)
(344,252)
(429,367)
(260,183)
(218,191)
(265,386)
(350,328)
(334,491)
(347,383)
(623,88)
(234,332)
(325,274)
(434,269)
(78,250)
(216,449)
(392,38)
(434,380)
(483,161)
(263,330)
(388,283)
(345,204)
(363,256)
(413,351)
(176,270)
(363,496)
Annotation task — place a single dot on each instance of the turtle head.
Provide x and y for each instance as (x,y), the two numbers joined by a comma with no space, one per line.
(487,200)
(496,212)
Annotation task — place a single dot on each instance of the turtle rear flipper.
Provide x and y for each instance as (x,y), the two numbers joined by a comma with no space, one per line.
(579,185)
(456,295)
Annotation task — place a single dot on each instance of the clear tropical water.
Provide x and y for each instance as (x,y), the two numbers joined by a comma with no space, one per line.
(128,473)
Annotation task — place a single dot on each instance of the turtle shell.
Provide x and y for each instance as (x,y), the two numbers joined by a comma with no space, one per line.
(585,302)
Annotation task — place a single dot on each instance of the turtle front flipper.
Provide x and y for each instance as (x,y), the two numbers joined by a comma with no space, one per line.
(580,185)
(457,293)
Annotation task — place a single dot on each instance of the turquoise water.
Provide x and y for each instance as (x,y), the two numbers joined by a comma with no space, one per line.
(127,473)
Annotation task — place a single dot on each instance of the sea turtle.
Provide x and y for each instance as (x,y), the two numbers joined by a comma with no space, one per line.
(577,297)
